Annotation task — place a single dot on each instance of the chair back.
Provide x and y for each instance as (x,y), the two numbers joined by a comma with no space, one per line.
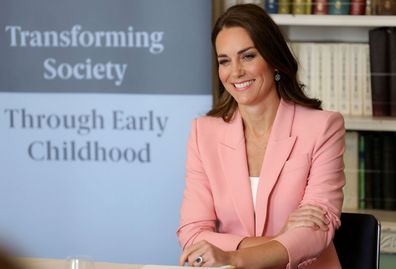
(357,241)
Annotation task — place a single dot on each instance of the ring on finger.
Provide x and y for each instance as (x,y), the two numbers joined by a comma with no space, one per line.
(198,260)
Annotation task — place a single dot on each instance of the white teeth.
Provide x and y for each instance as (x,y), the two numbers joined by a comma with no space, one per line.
(243,84)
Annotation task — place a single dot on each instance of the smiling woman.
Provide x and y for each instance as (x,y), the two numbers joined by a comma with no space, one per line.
(243,71)
(259,179)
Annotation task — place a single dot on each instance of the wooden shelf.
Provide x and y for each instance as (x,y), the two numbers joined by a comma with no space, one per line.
(333,20)
(370,123)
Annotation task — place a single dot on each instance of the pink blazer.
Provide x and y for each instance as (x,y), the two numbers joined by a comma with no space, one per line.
(303,164)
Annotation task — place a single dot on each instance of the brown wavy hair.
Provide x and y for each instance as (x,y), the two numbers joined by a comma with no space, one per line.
(271,44)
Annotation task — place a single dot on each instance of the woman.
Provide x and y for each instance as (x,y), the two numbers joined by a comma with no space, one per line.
(264,167)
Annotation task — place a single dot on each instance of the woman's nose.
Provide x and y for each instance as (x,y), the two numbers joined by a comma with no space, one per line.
(237,69)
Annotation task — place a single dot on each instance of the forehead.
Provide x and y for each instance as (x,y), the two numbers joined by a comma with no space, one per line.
(233,38)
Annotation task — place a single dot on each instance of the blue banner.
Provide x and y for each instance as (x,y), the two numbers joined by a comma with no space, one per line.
(96,102)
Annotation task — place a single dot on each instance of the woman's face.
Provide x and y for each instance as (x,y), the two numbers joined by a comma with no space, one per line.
(242,70)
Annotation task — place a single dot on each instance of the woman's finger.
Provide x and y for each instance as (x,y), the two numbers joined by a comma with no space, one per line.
(191,253)
(311,216)
(186,254)
(308,222)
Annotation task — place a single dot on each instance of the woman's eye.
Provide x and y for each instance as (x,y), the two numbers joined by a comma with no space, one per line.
(223,61)
(249,56)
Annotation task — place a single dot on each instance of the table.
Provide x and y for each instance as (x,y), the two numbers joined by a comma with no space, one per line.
(38,263)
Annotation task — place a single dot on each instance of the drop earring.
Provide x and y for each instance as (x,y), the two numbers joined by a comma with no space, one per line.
(277,76)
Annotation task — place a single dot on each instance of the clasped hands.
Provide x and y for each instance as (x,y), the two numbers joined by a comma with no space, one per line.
(205,254)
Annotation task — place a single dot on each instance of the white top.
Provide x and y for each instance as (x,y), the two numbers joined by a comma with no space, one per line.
(253,185)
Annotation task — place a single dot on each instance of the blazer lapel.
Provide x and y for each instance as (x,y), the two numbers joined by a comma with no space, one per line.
(279,147)
(234,165)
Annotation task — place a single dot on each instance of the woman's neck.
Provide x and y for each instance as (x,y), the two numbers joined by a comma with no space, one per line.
(258,120)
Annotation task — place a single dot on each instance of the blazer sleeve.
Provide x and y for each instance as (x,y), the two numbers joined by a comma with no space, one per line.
(324,188)
(197,214)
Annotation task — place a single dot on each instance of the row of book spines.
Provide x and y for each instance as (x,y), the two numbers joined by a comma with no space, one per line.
(330,7)
(288,7)
(370,171)
(336,73)
(319,7)
(377,170)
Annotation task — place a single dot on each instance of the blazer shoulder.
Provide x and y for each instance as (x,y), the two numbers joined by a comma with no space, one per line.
(318,119)
(207,125)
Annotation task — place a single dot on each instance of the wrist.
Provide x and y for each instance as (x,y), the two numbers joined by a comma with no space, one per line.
(236,259)
(249,242)
(242,243)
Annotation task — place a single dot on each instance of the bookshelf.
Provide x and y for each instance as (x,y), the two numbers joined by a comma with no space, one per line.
(348,28)
(361,123)
(339,28)
(333,20)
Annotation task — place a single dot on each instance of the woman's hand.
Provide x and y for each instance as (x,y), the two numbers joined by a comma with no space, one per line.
(307,216)
(205,254)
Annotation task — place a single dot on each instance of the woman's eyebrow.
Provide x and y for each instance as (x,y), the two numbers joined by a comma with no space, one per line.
(239,52)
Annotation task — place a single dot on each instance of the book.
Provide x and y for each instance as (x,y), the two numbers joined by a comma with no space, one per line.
(315,74)
(304,68)
(325,76)
(311,64)
(377,170)
(298,7)
(297,49)
(356,88)
(271,6)
(308,6)
(379,56)
(385,7)
(368,170)
(362,169)
(351,161)
(284,6)
(338,7)
(369,10)
(366,80)
(392,70)
(357,7)
(320,7)
(345,74)
(335,82)
(389,170)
